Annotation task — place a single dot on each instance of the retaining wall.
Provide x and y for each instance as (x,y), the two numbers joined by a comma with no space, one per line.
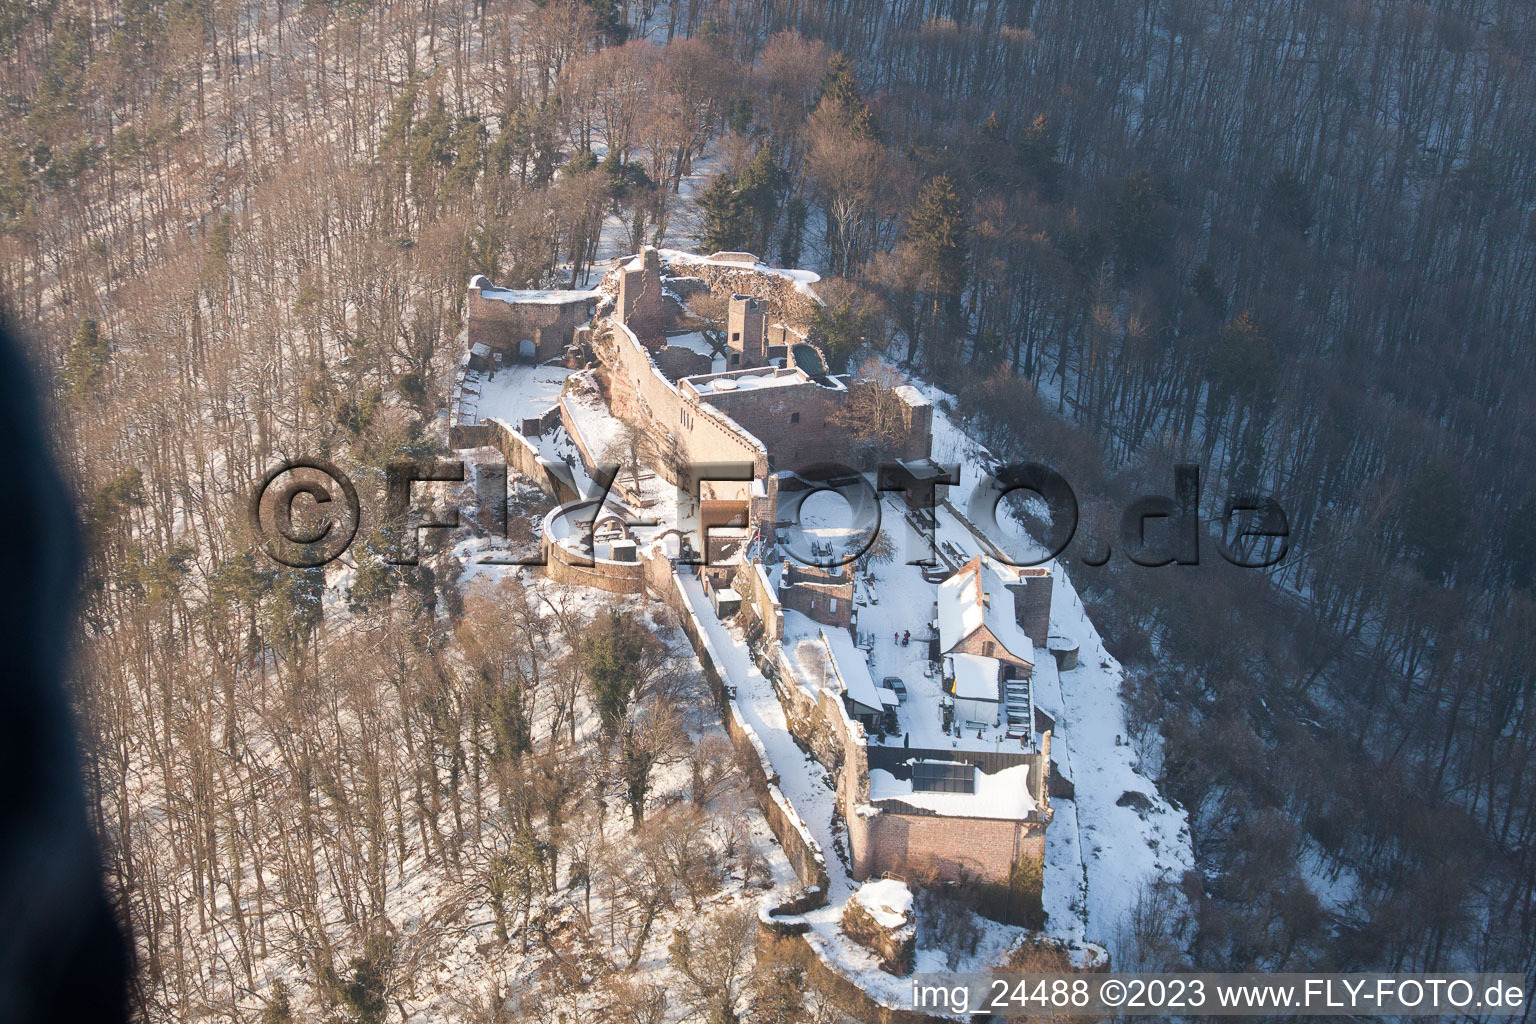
(908,842)
(565,565)
(802,850)
(837,986)
(520,455)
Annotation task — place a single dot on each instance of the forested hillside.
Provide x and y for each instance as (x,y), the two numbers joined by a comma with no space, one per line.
(1292,242)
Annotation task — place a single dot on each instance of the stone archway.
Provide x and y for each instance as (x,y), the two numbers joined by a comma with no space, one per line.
(613,518)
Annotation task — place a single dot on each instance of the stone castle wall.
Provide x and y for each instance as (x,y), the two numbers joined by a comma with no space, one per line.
(638,389)
(642,305)
(1032,603)
(795,422)
(759,600)
(802,850)
(825,599)
(908,845)
(501,325)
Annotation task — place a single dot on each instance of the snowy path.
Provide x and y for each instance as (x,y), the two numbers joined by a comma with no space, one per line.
(801,778)
(808,787)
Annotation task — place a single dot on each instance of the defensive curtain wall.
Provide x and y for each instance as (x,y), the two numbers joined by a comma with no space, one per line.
(520,455)
(760,606)
(648,300)
(781,926)
(881,839)
(790,414)
(524,326)
(637,389)
(896,839)
(707,434)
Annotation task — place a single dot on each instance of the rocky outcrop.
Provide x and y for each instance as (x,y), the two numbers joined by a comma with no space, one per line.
(879,917)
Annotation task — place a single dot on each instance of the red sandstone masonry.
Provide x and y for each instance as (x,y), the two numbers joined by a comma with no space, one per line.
(637,388)
(803,852)
(891,842)
(641,304)
(1032,609)
(515,449)
(838,987)
(813,592)
(501,325)
(759,599)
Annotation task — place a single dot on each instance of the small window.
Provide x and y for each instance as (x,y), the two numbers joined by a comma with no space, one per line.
(833,606)
(735,335)
(794,417)
(987,647)
(735,358)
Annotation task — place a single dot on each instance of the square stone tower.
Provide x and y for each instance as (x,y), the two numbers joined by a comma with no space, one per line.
(641,305)
(747,329)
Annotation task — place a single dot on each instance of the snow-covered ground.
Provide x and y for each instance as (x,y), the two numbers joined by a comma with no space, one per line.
(1100,852)
(599,429)
(810,790)
(1103,846)
(825,529)
(511,393)
(694,341)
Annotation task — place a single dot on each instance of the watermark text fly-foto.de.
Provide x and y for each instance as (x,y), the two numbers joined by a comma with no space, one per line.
(306,512)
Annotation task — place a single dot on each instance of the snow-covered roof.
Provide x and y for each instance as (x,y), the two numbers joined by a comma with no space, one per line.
(888,696)
(1003,794)
(852,667)
(910,395)
(975,677)
(978,595)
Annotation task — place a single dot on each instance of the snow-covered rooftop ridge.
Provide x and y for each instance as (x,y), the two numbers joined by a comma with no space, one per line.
(851,666)
(977,596)
(536,296)
(1003,794)
(911,395)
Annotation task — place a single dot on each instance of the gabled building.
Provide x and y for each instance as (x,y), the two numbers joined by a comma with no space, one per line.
(865,702)
(978,613)
(991,616)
